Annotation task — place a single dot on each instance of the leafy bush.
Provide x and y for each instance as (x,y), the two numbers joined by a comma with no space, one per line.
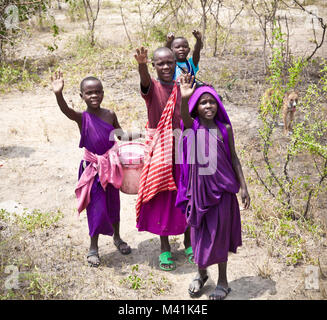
(13,12)
(293,188)
(17,73)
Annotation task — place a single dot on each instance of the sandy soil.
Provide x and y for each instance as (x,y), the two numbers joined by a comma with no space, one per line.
(40,157)
(40,167)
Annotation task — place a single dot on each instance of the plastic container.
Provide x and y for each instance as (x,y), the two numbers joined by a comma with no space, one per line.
(131,157)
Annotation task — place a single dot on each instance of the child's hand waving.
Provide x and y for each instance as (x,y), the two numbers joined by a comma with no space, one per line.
(170,37)
(187,85)
(141,56)
(197,34)
(57,81)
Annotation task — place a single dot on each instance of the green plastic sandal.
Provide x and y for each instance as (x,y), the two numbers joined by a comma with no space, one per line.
(164,261)
(189,255)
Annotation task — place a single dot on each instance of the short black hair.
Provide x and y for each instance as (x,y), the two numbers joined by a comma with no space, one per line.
(162,49)
(179,38)
(87,79)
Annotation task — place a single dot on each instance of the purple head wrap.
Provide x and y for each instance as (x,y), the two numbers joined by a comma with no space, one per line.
(221,118)
(221,115)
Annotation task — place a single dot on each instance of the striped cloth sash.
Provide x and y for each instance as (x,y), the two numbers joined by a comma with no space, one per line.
(157,172)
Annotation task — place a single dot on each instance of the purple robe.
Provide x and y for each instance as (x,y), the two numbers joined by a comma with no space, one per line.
(207,189)
(160,215)
(104,207)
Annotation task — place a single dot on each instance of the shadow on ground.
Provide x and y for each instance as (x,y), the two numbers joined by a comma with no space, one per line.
(245,288)
(147,252)
(251,287)
(16,152)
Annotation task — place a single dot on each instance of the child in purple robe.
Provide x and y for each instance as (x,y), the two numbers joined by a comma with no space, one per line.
(211,176)
(97,127)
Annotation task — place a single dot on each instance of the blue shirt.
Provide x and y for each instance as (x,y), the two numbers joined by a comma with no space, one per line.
(187,66)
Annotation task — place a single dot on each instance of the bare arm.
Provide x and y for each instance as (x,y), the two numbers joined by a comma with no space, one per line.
(141,57)
(238,169)
(198,46)
(57,82)
(187,87)
(169,40)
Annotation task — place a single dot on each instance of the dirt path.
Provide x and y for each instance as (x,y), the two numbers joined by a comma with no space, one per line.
(40,156)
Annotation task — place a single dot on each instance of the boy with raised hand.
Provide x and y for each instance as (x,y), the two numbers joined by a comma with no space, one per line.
(155,209)
(181,50)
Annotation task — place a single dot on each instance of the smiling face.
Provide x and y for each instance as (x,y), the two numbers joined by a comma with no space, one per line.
(92,93)
(181,49)
(164,63)
(207,107)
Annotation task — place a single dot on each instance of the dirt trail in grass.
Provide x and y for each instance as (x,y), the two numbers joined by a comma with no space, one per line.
(40,157)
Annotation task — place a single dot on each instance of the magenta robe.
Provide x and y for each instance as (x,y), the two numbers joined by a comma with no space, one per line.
(160,215)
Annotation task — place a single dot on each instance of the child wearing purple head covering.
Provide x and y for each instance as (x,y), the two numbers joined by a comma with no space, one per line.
(211,177)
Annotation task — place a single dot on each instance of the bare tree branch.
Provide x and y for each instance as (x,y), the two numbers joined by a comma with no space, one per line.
(321,22)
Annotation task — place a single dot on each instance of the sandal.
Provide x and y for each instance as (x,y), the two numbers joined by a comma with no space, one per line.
(189,255)
(223,293)
(164,260)
(202,282)
(126,250)
(93,258)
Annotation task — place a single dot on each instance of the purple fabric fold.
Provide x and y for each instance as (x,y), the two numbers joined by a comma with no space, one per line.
(103,210)
(210,174)
(208,186)
(221,116)
(184,149)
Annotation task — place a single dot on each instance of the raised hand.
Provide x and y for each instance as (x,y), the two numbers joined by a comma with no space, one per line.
(170,37)
(141,56)
(187,85)
(57,81)
(197,34)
